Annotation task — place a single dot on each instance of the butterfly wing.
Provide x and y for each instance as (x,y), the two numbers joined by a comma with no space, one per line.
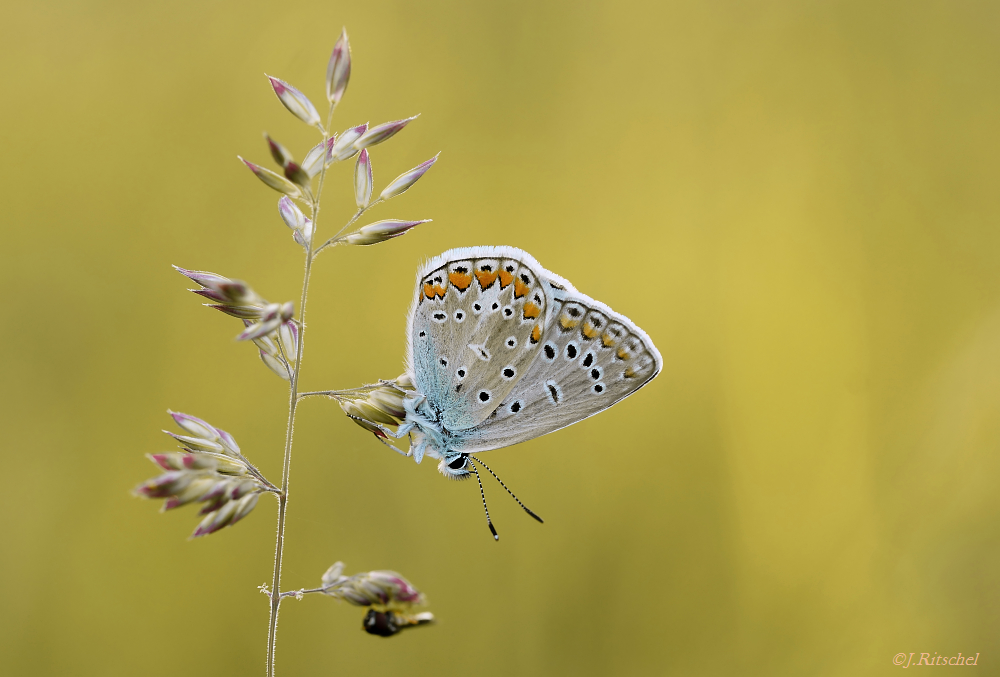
(590,358)
(476,326)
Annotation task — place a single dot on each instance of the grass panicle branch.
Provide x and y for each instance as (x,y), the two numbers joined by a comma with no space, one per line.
(209,468)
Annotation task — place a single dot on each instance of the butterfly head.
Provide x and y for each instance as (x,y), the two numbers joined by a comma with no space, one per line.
(456,467)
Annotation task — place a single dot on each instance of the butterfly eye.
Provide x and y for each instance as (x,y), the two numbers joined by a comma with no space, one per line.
(458,463)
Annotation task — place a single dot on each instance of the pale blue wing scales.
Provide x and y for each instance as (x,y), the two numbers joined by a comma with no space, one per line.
(475,327)
(591,357)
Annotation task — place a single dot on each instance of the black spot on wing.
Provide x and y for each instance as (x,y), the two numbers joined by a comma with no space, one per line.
(554,392)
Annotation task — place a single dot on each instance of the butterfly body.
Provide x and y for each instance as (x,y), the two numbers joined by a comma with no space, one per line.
(502,350)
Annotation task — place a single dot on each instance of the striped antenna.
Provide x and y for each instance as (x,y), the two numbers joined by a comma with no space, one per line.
(505,487)
(482,493)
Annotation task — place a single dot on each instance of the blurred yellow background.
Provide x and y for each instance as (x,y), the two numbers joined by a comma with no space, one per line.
(797,200)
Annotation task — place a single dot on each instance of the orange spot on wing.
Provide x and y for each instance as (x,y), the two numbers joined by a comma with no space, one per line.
(460,280)
(630,372)
(531,310)
(608,340)
(536,334)
(622,354)
(568,322)
(520,289)
(589,331)
(505,278)
(485,278)
(433,290)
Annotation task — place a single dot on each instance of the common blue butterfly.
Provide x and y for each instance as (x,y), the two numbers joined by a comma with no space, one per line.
(500,350)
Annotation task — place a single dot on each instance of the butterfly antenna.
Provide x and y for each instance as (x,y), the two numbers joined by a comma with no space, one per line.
(482,493)
(508,490)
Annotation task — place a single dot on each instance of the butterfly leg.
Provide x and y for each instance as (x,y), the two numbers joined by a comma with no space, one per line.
(418,409)
(418,452)
(387,433)
(403,430)
(394,448)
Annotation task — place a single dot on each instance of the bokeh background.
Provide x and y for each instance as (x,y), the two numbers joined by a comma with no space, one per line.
(798,201)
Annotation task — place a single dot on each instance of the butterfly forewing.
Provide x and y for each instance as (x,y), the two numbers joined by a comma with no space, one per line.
(589,358)
(477,325)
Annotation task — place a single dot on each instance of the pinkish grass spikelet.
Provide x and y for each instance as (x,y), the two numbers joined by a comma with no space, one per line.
(382,132)
(403,182)
(363,180)
(338,71)
(297,103)
(274,181)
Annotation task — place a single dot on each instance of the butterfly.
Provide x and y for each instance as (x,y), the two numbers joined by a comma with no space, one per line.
(501,350)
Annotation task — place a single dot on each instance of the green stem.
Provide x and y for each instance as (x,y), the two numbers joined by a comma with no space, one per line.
(279,545)
(293,400)
(335,240)
(334,393)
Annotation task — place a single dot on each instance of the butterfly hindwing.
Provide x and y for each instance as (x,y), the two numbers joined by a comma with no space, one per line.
(590,358)
(476,326)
